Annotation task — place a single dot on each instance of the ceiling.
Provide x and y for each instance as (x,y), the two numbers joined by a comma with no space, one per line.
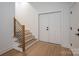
(48,6)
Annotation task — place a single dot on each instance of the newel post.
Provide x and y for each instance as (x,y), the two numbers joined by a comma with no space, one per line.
(23,40)
(14,27)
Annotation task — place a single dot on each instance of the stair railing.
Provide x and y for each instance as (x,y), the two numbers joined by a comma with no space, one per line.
(19,32)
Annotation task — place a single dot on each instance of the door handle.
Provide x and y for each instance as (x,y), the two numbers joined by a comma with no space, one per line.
(47,28)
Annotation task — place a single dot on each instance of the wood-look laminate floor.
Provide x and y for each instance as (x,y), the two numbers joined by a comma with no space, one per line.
(42,49)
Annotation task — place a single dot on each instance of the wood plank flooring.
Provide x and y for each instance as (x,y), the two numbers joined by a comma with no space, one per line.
(42,49)
(13,52)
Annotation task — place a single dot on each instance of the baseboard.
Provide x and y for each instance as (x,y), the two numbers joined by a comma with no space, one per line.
(75,51)
(2,52)
(65,45)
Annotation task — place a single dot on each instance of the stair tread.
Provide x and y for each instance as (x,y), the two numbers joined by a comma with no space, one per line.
(27,31)
(28,35)
(28,39)
(27,43)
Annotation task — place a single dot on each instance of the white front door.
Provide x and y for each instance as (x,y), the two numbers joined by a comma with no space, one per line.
(50,27)
(43,27)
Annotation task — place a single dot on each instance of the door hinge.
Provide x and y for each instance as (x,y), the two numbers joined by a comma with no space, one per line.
(71,44)
(70,28)
(70,12)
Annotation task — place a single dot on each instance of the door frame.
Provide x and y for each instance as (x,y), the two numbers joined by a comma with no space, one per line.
(45,13)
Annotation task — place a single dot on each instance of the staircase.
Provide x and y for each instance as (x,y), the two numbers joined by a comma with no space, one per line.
(24,39)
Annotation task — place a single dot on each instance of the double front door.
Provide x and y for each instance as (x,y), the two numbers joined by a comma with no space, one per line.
(50,27)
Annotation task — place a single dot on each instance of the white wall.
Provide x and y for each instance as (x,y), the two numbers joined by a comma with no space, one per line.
(43,7)
(6,25)
(27,16)
(74,23)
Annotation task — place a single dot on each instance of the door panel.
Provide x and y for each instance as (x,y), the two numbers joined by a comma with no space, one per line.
(54,28)
(43,26)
